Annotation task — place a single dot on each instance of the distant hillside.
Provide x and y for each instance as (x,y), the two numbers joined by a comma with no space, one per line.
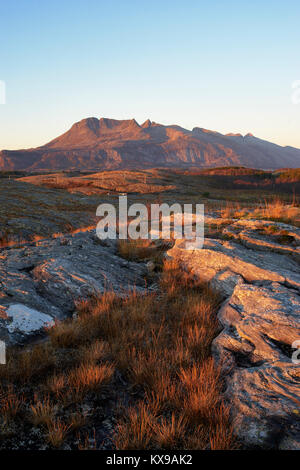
(105,144)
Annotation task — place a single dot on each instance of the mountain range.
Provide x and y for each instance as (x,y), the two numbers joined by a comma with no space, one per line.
(104,144)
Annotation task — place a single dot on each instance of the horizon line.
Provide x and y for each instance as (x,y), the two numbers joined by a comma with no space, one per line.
(228,134)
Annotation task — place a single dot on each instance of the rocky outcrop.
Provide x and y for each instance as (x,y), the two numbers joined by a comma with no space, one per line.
(260,317)
(225,263)
(18,322)
(255,348)
(49,276)
(264,235)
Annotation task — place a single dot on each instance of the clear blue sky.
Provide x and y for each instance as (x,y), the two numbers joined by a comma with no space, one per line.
(223,65)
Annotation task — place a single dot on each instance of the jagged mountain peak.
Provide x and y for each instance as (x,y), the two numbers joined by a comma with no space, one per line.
(107,143)
(146,124)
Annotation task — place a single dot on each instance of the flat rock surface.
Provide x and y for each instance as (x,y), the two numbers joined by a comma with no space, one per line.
(265,235)
(230,258)
(26,319)
(260,317)
(255,348)
(51,275)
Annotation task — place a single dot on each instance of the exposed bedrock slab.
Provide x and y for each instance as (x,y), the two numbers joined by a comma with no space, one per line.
(261,321)
(53,274)
(255,350)
(18,322)
(227,263)
(265,235)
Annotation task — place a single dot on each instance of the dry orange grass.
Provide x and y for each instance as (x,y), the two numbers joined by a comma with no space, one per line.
(26,366)
(73,385)
(160,342)
(170,433)
(42,412)
(94,352)
(10,402)
(56,384)
(57,432)
(169,357)
(89,377)
(234,210)
(280,211)
(77,420)
(275,209)
(67,334)
(136,249)
(135,432)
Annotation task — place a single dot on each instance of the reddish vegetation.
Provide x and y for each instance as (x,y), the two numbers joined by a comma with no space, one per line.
(286,181)
(160,344)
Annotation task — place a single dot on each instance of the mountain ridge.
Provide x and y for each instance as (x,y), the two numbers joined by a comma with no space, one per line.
(106,143)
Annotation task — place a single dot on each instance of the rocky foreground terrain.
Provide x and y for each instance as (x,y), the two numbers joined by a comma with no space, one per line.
(259,279)
(41,281)
(253,264)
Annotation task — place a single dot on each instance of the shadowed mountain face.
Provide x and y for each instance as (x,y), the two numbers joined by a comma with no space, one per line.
(111,144)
